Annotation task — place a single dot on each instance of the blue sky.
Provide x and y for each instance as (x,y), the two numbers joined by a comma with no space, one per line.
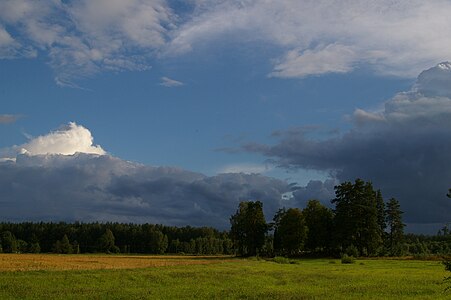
(230,86)
(221,104)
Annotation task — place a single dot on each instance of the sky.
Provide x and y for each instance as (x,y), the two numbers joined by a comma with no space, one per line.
(169,111)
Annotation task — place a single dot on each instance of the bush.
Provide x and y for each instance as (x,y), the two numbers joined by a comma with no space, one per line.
(447,263)
(253,258)
(421,256)
(283,260)
(22,246)
(345,259)
(352,251)
(34,248)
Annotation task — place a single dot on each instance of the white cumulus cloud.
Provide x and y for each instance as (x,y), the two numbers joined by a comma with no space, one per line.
(67,140)
(427,104)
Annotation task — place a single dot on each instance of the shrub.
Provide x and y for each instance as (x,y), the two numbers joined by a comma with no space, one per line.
(345,259)
(447,263)
(34,248)
(22,246)
(283,260)
(352,251)
(421,256)
(253,258)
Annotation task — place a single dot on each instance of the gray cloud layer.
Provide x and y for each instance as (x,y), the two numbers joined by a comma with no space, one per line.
(91,187)
(405,150)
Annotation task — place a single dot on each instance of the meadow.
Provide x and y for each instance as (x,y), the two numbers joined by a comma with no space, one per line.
(181,277)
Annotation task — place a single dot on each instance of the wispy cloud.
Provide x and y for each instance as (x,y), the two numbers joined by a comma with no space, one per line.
(393,37)
(83,38)
(245,168)
(168,82)
(6,119)
(332,58)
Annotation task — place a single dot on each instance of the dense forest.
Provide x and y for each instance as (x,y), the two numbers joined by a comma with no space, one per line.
(112,238)
(361,224)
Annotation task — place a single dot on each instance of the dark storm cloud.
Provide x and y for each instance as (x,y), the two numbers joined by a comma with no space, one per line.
(205,201)
(405,150)
(315,189)
(103,188)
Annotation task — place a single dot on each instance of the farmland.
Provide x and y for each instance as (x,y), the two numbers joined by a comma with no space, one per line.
(178,277)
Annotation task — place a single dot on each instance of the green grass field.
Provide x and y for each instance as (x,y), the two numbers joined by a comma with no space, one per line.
(236,279)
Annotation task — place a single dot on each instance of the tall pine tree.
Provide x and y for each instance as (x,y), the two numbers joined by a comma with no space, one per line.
(356,217)
(395,227)
(380,212)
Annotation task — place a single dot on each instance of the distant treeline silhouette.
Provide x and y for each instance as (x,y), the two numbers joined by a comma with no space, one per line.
(361,224)
(112,238)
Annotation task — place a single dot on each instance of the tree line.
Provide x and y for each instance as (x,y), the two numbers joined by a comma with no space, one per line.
(74,238)
(362,223)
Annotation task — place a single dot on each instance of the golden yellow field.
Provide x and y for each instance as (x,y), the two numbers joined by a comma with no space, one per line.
(34,262)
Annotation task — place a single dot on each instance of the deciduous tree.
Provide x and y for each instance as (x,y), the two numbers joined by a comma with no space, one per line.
(292,231)
(106,242)
(158,242)
(9,242)
(318,220)
(248,227)
(66,247)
